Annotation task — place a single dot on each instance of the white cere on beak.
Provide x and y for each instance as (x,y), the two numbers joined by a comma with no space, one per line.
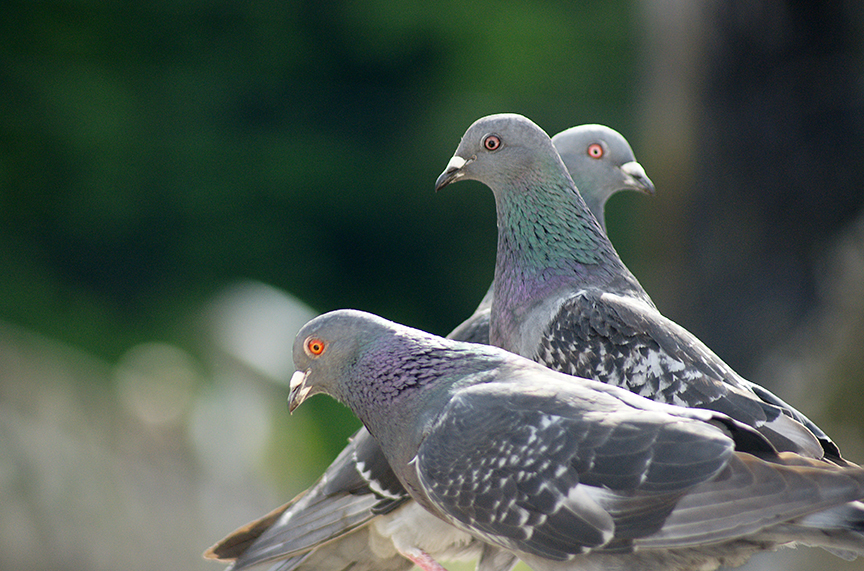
(634,169)
(455,163)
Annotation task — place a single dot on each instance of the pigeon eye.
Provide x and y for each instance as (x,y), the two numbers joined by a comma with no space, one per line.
(315,346)
(492,142)
(595,151)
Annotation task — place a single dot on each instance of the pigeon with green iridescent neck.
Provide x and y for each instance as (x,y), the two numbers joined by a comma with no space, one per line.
(564,298)
(568,473)
(601,163)
(358,501)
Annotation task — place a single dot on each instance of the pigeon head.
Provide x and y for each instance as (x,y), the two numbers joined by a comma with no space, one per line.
(536,200)
(365,361)
(394,378)
(326,349)
(601,163)
(497,149)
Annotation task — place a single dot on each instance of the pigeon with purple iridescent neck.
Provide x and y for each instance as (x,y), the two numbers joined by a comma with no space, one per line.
(568,473)
(358,503)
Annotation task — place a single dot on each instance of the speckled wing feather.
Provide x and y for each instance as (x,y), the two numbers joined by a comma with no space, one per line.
(552,477)
(626,343)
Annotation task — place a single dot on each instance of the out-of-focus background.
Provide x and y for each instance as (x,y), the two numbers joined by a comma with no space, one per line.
(183,184)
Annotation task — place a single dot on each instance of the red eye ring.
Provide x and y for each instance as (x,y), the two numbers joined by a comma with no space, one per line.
(492,142)
(315,346)
(595,150)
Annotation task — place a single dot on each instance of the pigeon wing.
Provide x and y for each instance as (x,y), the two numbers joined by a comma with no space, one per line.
(544,474)
(627,343)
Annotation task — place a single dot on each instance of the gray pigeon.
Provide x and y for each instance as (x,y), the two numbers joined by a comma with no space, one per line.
(359,487)
(600,163)
(568,473)
(563,297)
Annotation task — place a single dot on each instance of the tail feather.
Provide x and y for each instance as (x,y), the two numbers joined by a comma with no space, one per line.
(839,530)
(339,502)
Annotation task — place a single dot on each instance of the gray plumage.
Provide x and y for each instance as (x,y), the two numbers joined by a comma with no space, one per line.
(597,177)
(568,473)
(601,163)
(564,298)
(358,499)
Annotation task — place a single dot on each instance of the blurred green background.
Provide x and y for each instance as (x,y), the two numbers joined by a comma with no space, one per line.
(183,184)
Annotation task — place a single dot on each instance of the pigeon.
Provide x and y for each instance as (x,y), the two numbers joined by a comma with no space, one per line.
(563,297)
(601,163)
(565,472)
(358,499)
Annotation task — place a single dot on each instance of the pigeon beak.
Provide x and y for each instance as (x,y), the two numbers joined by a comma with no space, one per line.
(636,178)
(453,172)
(299,390)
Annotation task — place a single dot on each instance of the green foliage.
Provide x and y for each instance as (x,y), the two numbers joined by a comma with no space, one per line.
(152,152)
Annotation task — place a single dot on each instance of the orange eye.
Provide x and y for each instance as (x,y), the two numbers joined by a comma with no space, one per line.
(492,142)
(595,151)
(315,346)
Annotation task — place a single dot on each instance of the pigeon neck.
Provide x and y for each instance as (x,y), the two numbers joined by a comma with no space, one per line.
(597,206)
(403,400)
(549,244)
(546,234)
